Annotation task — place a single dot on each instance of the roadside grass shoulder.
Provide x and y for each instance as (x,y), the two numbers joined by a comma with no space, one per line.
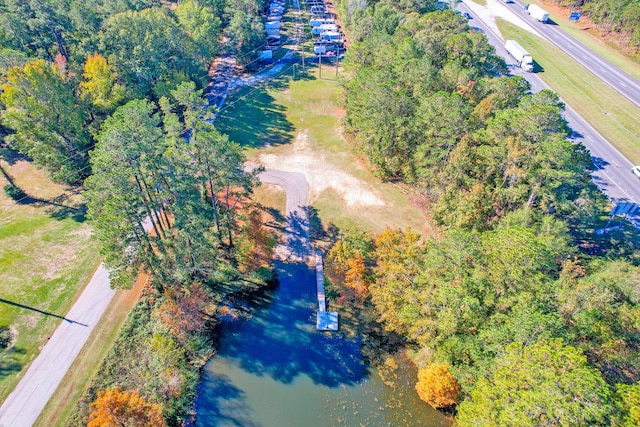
(607,111)
(47,256)
(600,46)
(60,407)
(296,123)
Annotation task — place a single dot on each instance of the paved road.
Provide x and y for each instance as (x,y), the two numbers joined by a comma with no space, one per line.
(613,174)
(24,404)
(298,245)
(620,81)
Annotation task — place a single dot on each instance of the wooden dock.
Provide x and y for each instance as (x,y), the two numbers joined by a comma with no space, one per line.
(327,320)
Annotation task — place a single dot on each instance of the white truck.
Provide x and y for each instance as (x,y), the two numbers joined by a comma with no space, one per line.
(537,12)
(522,56)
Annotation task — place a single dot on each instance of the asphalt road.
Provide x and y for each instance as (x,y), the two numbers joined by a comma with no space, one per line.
(23,406)
(297,246)
(620,81)
(613,175)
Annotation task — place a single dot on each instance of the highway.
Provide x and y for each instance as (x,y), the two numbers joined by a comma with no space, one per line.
(613,170)
(620,81)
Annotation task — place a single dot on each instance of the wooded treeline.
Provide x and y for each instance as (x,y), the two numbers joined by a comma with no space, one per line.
(109,94)
(66,65)
(620,17)
(516,312)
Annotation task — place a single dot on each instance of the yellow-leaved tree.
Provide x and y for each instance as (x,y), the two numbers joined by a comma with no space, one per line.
(437,386)
(114,407)
(100,84)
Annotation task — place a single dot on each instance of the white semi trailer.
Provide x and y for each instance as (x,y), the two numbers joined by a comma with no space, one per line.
(537,12)
(522,56)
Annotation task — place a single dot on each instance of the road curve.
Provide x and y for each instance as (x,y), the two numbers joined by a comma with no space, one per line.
(298,243)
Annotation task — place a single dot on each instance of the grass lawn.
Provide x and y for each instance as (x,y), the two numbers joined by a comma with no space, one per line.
(47,256)
(295,126)
(607,111)
(596,44)
(61,405)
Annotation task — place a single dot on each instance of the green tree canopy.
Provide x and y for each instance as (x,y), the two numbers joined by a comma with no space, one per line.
(47,119)
(547,383)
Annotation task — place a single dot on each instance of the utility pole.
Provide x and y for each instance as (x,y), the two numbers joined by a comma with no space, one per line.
(320,63)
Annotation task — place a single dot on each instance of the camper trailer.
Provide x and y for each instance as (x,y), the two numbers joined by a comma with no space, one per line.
(330,36)
(316,22)
(272,25)
(316,31)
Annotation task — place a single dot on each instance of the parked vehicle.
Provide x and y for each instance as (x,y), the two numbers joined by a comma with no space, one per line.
(316,22)
(520,54)
(272,25)
(266,55)
(330,35)
(316,31)
(537,12)
(274,32)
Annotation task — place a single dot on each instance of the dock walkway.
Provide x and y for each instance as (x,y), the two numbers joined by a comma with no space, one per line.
(327,320)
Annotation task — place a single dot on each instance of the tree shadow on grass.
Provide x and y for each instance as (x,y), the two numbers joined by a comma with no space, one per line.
(9,361)
(56,208)
(252,119)
(10,155)
(320,232)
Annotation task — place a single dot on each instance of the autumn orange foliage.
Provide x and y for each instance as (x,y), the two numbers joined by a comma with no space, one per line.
(115,408)
(355,277)
(186,311)
(437,386)
(258,246)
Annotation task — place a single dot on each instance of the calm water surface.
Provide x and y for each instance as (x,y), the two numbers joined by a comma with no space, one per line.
(277,370)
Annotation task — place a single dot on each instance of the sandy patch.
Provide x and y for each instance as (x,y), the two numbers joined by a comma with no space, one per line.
(321,174)
(498,9)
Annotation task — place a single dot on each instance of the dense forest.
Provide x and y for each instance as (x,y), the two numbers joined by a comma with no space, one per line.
(619,17)
(83,59)
(516,313)
(107,95)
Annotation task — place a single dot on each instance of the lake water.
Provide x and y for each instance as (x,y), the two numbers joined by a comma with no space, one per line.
(276,369)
